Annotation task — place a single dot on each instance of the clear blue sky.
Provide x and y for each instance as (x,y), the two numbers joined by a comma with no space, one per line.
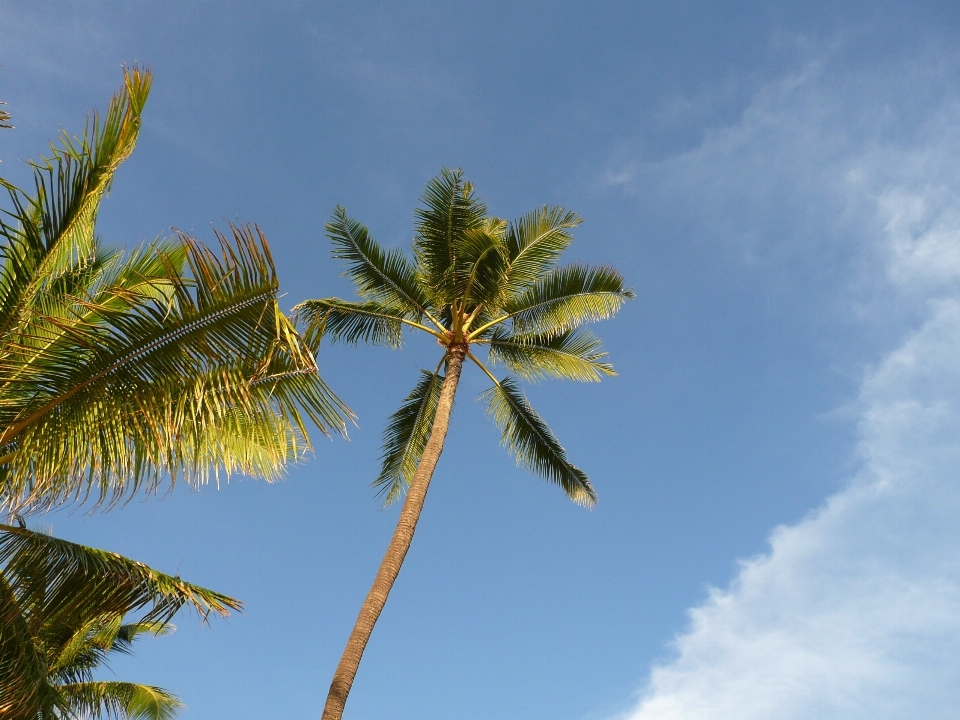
(776,460)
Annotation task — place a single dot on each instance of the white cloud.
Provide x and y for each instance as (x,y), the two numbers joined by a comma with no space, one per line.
(855,611)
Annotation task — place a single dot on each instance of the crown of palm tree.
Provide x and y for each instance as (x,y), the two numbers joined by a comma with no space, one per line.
(62,614)
(117,372)
(475,281)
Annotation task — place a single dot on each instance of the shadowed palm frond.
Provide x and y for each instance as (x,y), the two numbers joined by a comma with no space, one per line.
(451,210)
(571,355)
(534,244)
(566,298)
(350,322)
(406,435)
(120,700)
(528,438)
(480,265)
(381,276)
(61,611)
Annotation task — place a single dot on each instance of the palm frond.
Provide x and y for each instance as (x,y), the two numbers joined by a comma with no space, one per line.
(528,438)
(534,244)
(53,231)
(406,435)
(61,606)
(152,386)
(480,265)
(349,322)
(566,298)
(383,277)
(450,210)
(120,700)
(79,583)
(571,355)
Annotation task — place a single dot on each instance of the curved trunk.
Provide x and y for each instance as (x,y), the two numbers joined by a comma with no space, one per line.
(402,537)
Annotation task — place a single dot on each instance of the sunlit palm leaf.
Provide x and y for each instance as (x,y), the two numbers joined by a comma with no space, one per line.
(571,355)
(567,298)
(136,393)
(52,232)
(120,700)
(406,435)
(524,433)
(534,244)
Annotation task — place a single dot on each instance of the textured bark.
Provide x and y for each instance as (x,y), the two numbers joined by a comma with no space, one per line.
(402,537)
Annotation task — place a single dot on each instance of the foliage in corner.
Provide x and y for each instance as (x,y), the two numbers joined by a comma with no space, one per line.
(120,372)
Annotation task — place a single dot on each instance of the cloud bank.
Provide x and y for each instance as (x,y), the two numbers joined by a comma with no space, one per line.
(855,611)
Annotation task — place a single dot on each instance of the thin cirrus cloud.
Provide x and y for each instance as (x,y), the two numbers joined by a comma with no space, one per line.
(854,612)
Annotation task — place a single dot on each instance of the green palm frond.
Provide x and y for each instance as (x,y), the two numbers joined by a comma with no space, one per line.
(380,276)
(534,244)
(571,355)
(528,438)
(119,372)
(566,298)
(480,265)
(153,385)
(451,210)
(406,435)
(5,118)
(350,322)
(53,231)
(60,580)
(61,611)
(120,700)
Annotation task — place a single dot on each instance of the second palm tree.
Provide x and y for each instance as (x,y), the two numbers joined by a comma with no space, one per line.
(476,281)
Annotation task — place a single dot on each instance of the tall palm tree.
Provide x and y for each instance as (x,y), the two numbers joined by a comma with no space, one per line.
(64,610)
(118,372)
(475,282)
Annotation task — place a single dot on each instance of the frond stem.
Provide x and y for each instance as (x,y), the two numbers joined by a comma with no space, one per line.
(483,367)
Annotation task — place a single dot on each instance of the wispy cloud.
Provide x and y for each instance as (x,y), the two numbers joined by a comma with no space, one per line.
(855,611)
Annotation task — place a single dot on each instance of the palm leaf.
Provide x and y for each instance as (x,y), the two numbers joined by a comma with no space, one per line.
(135,393)
(80,583)
(52,232)
(566,298)
(120,700)
(451,210)
(480,265)
(383,277)
(571,355)
(534,244)
(61,606)
(406,435)
(528,438)
(350,322)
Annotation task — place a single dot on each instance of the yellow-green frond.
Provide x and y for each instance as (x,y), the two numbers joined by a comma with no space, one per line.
(571,355)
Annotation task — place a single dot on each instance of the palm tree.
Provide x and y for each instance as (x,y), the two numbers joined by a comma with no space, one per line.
(119,372)
(476,281)
(63,612)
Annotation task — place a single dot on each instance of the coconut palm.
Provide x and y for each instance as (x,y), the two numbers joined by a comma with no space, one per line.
(475,282)
(64,609)
(119,372)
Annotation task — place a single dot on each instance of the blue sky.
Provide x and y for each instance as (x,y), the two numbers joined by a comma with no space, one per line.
(776,461)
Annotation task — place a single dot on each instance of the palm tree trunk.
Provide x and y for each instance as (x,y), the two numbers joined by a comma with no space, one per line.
(402,537)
